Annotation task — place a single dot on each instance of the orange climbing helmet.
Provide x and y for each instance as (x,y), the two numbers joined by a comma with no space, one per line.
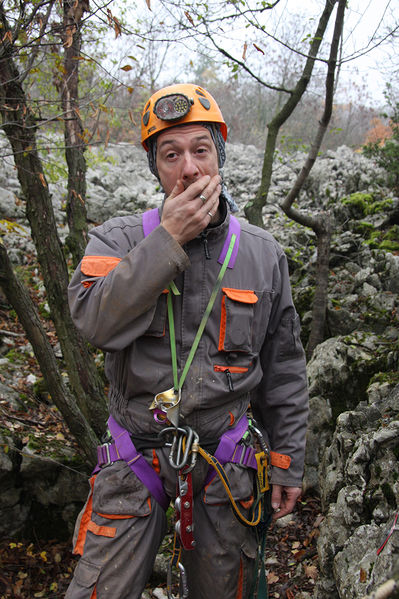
(176,105)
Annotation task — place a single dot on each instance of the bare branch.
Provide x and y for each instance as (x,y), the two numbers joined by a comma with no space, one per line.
(307,220)
(35,50)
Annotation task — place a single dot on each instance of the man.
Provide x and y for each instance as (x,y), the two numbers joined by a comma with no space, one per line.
(194,311)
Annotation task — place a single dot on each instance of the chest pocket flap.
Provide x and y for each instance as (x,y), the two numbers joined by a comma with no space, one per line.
(236,321)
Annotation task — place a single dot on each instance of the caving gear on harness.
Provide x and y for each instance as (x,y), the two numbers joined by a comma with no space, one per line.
(260,512)
(177,105)
(185,441)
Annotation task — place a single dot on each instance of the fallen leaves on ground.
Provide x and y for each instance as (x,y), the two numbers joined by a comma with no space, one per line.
(291,554)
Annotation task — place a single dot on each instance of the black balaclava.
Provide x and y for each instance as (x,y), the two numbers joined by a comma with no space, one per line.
(220,145)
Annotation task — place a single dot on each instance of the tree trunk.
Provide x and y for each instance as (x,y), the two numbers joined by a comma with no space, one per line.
(321,223)
(253,209)
(20,128)
(317,332)
(23,305)
(73,131)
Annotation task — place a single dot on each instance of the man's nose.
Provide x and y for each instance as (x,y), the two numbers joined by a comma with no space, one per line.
(189,169)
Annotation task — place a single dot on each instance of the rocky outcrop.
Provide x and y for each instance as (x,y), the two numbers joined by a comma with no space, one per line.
(40,496)
(360,496)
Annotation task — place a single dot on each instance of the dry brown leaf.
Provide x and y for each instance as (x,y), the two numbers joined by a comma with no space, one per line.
(298,555)
(7,35)
(363,575)
(148,4)
(258,49)
(311,571)
(69,37)
(272,578)
(318,520)
(189,17)
(42,180)
(117,28)
(244,51)
(126,68)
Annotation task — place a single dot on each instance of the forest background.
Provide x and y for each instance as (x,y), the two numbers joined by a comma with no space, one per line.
(74,76)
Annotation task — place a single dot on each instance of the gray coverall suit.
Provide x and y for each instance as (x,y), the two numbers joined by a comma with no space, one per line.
(249,353)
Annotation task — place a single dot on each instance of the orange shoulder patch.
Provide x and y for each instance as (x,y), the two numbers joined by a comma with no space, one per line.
(98,266)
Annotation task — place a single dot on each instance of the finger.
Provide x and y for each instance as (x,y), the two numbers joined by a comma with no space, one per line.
(211,206)
(199,187)
(212,188)
(212,197)
(177,190)
(276,496)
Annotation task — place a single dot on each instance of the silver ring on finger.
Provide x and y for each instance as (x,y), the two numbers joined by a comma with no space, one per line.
(203,198)
(210,214)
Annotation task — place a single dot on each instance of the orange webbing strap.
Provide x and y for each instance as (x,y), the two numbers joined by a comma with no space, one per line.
(84,521)
(280,460)
(216,465)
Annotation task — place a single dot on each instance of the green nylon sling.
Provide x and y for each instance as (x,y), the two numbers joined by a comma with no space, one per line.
(178,383)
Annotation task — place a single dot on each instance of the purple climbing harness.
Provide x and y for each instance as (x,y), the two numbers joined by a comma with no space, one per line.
(122,447)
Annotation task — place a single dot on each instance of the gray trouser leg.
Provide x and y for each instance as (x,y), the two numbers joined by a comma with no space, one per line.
(123,534)
(119,567)
(222,563)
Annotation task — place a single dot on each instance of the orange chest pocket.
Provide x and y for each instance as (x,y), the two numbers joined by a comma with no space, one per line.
(236,322)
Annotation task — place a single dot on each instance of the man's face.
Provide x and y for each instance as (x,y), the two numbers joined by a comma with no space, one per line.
(186,153)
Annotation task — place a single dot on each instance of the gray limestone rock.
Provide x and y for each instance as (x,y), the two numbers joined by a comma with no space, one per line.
(361,497)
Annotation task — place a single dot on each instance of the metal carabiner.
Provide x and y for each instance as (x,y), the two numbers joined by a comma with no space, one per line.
(185,441)
(194,453)
(252,425)
(177,456)
(183,585)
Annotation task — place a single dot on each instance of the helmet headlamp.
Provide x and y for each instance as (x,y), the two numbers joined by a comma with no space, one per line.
(172,107)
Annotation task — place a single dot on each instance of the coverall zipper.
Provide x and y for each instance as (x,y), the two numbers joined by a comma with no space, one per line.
(227,371)
(205,242)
